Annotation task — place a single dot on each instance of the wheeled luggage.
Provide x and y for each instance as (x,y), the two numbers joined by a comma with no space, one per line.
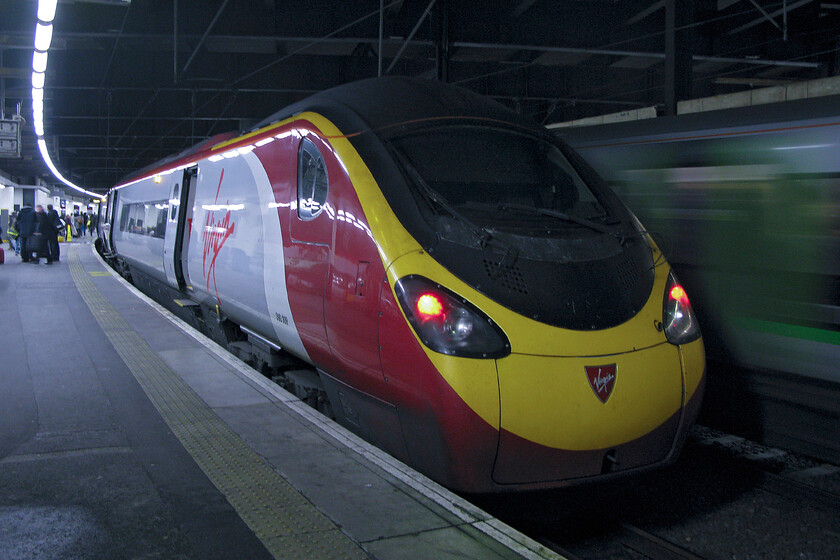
(38,245)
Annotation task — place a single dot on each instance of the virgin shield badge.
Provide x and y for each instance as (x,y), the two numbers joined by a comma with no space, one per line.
(602,380)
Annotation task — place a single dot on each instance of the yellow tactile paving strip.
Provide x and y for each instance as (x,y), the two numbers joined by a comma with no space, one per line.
(287,524)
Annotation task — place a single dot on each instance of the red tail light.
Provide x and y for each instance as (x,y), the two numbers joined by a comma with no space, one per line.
(678,293)
(448,323)
(429,306)
(677,316)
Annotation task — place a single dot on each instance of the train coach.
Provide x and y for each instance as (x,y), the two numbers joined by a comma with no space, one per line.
(440,275)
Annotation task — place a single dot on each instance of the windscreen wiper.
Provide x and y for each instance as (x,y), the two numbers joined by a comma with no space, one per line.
(561,216)
(483,234)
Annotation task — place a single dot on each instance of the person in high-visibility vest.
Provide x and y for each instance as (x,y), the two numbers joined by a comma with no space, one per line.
(12,234)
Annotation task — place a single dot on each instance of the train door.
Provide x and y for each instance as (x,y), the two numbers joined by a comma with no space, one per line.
(184,227)
(178,220)
(102,225)
(106,227)
(311,230)
(170,238)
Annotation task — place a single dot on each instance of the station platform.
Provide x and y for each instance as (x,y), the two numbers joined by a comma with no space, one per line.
(124,433)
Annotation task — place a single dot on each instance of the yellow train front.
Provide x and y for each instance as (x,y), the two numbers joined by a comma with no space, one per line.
(531,334)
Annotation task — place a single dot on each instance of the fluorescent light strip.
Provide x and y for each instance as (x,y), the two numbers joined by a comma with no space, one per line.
(42,145)
(46,10)
(39,61)
(43,38)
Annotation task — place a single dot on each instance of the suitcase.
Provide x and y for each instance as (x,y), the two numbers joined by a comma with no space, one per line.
(2,256)
(37,244)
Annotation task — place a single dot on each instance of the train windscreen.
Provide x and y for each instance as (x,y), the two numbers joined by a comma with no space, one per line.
(496,175)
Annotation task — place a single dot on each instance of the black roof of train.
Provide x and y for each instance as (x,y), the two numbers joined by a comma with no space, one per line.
(382,102)
(376,104)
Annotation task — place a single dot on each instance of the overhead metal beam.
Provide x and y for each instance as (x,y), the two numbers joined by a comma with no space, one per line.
(569,100)
(522,7)
(756,61)
(753,23)
(754,82)
(646,12)
(765,14)
(784,19)
(206,33)
(23,73)
(611,52)
(411,35)
(468,45)
(178,89)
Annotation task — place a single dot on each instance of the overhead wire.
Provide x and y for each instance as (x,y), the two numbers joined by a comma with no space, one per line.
(589,92)
(231,86)
(715,75)
(271,64)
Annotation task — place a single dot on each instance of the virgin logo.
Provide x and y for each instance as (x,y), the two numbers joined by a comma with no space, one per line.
(216,232)
(602,380)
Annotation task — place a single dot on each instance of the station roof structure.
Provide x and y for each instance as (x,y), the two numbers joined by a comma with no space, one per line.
(129,82)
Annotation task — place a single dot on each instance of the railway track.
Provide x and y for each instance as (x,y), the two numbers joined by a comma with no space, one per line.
(632,542)
(791,488)
(726,498)
(781,473)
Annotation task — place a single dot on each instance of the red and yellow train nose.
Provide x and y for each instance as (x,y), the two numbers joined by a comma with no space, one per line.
(574,417)
(566,404)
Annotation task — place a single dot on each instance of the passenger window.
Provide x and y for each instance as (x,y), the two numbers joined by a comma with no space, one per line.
(313,183)
(174,202)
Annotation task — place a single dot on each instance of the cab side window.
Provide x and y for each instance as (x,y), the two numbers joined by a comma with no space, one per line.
(313,183)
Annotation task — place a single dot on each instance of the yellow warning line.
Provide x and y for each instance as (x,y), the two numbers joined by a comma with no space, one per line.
(287,524)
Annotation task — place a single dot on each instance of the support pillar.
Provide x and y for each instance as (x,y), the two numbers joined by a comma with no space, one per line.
(678,15)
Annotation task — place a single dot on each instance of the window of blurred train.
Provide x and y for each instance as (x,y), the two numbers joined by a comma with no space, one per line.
(313,183)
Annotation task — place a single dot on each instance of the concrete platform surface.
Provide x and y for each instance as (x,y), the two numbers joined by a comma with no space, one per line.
(124,433)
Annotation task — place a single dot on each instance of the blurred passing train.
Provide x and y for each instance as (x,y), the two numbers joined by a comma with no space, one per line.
(745,203)
(442,276)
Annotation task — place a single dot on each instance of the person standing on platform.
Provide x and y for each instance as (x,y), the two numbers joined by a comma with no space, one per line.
(25,227)
(71,221)
(12,233)
(52,226)
(83,221)
(71,229)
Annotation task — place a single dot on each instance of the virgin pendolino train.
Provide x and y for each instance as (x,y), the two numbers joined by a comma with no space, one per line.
(439,274)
